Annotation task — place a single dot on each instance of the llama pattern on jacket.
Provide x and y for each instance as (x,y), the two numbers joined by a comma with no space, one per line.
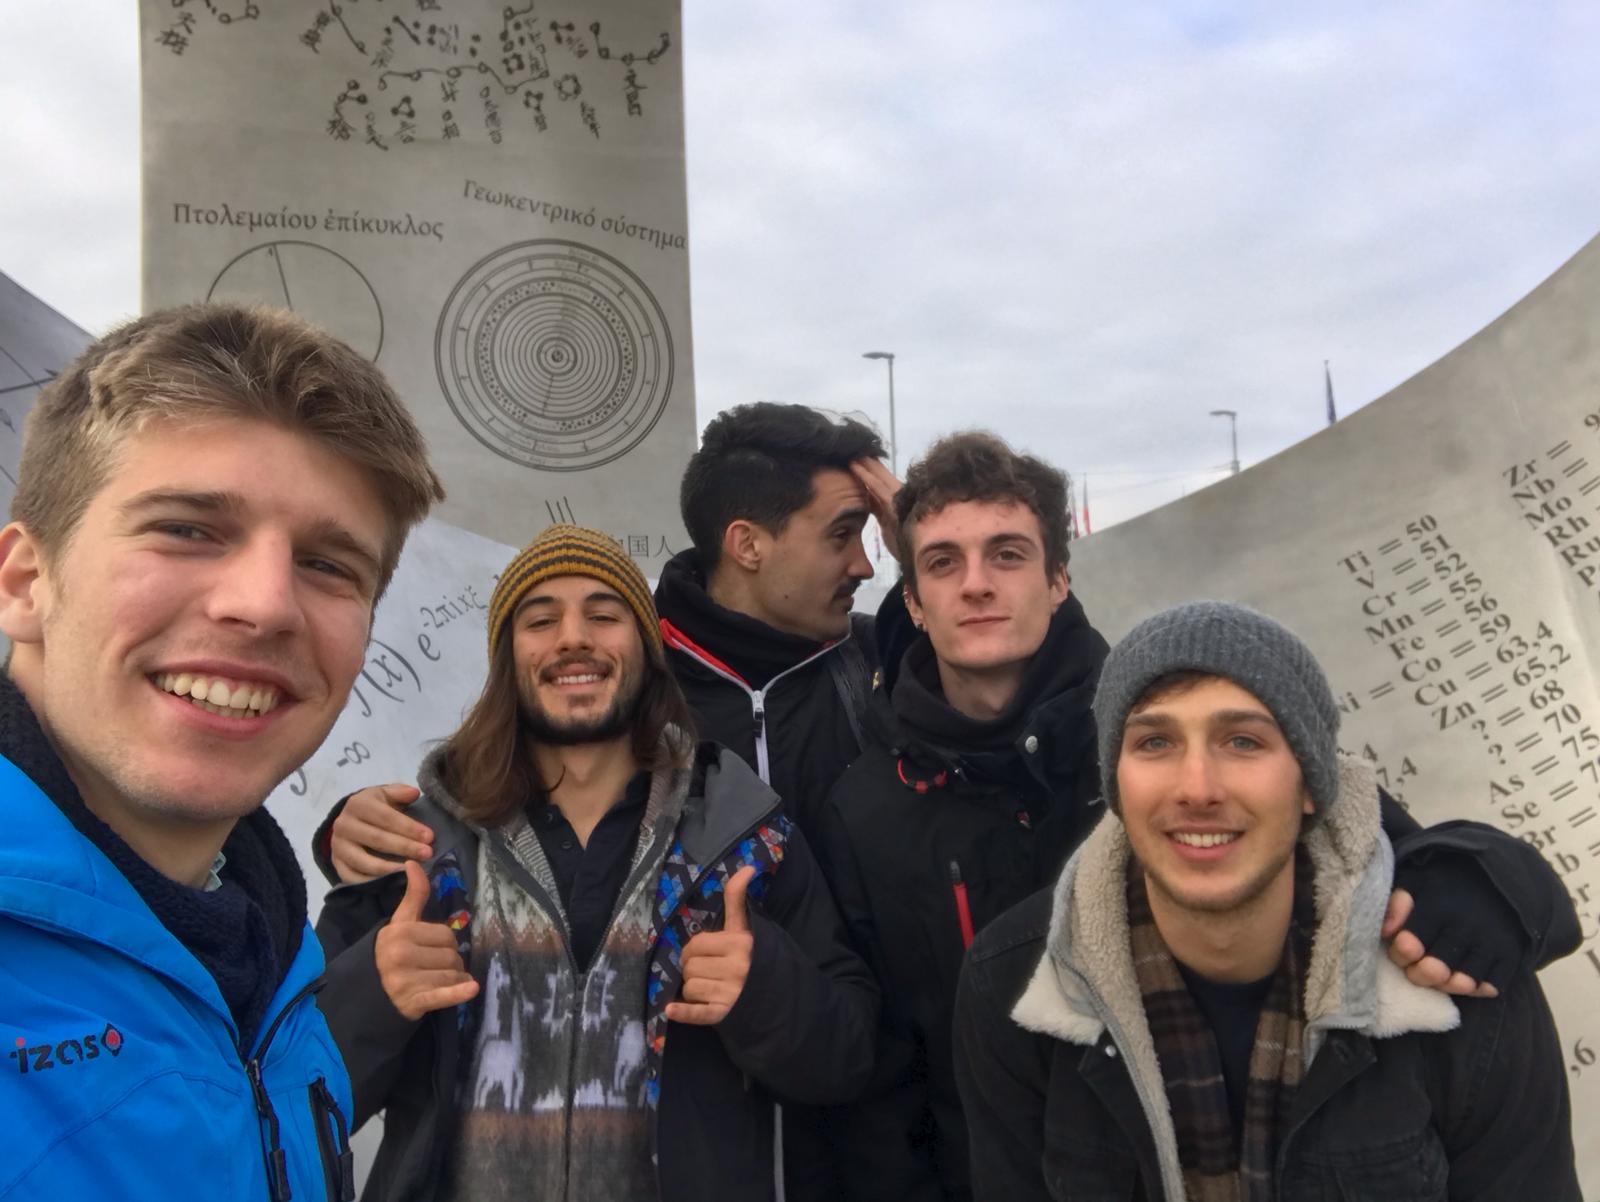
(558,1054)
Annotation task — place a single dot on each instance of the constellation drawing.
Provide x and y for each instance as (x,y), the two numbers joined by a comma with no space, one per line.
(446,73)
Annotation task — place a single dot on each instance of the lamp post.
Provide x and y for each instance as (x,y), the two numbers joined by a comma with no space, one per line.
(894,445)
(1233,430)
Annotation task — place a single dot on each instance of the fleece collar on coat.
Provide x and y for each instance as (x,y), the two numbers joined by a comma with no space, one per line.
(1084,986)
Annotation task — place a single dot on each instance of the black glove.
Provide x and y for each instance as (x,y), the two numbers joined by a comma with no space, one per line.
(1461,917)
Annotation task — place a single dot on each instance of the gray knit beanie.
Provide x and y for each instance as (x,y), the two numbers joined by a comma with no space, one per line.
(1246,647)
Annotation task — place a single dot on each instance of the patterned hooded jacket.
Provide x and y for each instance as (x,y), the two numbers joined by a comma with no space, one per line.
(801,1030)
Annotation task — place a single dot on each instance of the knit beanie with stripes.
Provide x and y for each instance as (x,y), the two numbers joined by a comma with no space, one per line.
(566,550)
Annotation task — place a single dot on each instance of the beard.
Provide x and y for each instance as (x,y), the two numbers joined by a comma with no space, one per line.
(616,720)
(1243,897)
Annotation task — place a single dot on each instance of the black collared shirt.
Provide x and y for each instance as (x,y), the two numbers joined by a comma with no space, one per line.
(590,877)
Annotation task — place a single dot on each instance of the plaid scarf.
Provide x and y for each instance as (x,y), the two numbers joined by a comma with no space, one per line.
(1217,1167)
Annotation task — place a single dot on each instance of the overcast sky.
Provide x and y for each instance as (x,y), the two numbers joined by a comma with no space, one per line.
(1081,225)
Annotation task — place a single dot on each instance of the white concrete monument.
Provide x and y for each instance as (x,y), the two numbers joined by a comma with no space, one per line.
(487,199)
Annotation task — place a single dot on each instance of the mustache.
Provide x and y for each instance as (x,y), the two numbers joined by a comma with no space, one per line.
(568,665)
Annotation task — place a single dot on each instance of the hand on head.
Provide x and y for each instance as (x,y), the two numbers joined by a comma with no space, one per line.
(716,963)
(418,964)
(371,834)
(880,485)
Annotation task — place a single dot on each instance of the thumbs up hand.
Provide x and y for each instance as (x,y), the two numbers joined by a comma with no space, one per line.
(418,964)
(716,963)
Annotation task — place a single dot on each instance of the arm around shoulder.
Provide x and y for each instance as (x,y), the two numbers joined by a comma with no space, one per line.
(1513,871)
(1507,1114)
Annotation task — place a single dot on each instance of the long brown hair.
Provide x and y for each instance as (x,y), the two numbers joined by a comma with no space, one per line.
(488,766)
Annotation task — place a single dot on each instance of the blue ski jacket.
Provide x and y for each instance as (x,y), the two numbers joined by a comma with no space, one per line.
(120,1071)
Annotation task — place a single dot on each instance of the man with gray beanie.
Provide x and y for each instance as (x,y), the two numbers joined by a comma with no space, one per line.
(1202,1008)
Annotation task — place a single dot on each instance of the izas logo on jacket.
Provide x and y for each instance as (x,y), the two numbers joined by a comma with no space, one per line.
(67,1052)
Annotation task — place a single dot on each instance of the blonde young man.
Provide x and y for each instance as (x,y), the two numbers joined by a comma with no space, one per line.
(210,502)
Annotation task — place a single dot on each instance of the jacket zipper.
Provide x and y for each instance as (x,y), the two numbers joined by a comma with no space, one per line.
(277,1159)
(963,909)
(573,1028)
(338,1161)
(758,697)
(759,713)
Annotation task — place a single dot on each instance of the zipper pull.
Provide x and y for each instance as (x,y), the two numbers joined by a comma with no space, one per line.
(258,1089)
(277,1159)
(347,1157)
(963,909)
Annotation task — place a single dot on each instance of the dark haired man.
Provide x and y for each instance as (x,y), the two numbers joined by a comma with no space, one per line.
(210,502)
(759,630)
(756,614)
(1201,1009)
(618,955)
(981,778)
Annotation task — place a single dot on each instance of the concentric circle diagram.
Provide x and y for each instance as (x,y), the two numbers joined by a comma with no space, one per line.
(554,355)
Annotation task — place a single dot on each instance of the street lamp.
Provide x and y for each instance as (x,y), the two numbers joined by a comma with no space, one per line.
(1233,429)
(888,357)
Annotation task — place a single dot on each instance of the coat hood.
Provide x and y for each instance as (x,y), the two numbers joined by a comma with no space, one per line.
(717,795)
(1051,707)
(753,650)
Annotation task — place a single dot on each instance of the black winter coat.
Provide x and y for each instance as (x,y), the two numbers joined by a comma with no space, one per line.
(1480,1113)
(801,1030)
(798,725)
(792,709)
(938,799)
(1002,805)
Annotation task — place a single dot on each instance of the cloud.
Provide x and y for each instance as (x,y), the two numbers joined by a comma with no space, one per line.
(1079,225)
(70,211)
(1087,228)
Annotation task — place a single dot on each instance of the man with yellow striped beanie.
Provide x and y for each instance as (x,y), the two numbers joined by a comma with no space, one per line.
(567,550)
(613,953)
(609,706)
